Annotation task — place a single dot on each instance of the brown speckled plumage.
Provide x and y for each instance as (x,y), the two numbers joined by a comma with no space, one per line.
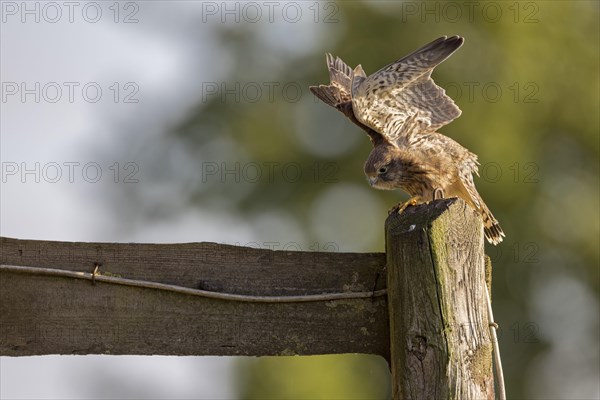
(400,107)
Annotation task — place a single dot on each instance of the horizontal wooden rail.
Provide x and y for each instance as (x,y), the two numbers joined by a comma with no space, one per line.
(46,312)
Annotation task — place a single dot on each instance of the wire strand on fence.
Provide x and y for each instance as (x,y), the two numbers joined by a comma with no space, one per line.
(95,277)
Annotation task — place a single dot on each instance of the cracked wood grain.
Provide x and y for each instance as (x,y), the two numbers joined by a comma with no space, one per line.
(440,342)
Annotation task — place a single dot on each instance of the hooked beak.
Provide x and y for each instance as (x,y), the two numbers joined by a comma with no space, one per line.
(372,180)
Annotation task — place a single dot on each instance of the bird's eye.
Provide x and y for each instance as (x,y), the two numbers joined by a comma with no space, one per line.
(382,170)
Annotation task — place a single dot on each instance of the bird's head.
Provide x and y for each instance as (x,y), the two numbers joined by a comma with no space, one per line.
(383,169)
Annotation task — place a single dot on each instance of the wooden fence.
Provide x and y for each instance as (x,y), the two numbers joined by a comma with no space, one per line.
(421,305)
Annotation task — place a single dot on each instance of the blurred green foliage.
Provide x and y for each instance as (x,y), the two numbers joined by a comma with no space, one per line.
(527,81)
(315,377)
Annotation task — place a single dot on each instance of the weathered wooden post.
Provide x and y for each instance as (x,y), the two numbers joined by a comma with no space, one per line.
(439,326)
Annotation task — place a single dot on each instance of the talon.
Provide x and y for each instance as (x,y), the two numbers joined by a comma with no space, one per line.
(494,325)
(394,208)
(400,207)
(404,205)
(436,192)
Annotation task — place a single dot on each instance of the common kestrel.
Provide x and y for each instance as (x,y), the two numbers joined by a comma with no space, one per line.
(400,107)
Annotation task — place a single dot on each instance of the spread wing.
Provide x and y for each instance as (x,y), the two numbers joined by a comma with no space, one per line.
(339,90)
(401,98)
(338,93)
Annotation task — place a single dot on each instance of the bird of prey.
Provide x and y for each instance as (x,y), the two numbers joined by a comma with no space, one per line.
(400,107)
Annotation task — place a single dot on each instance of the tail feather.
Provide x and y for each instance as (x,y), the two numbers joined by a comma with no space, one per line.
(491,227)
(467,191)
